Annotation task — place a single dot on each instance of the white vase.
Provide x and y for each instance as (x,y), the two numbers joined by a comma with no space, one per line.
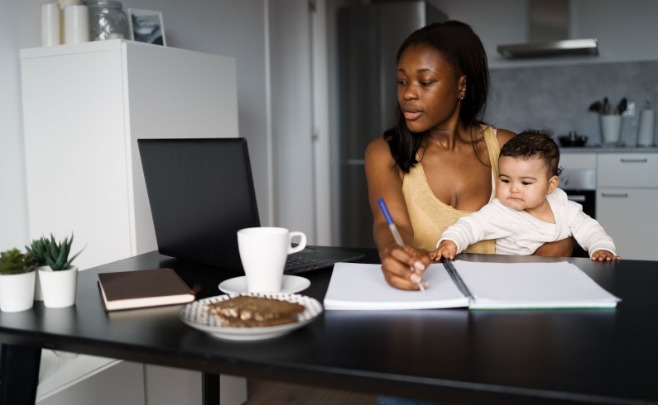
(17,291)
(58,287)
(610,128)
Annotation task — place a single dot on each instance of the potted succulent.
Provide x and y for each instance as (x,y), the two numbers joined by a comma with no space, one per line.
(37,249)
(59,279)
(17,272)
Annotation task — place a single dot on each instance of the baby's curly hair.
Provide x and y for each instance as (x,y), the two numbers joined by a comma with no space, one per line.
(533,143)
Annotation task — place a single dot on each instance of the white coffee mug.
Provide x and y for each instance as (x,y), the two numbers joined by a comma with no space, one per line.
(263,252)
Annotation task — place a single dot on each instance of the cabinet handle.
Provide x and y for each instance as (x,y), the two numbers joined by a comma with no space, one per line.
(645,160)
(615,195)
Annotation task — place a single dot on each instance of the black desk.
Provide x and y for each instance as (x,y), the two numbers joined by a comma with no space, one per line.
(569,356)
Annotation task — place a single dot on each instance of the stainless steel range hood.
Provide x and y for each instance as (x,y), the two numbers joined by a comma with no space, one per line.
(567,47)
(549,31)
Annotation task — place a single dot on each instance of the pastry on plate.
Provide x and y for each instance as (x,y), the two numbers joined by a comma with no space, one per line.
(250,311)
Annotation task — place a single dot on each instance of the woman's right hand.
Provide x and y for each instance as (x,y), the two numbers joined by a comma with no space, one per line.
(403,267)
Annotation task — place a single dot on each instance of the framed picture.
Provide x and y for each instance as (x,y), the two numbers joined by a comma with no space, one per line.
(146,26)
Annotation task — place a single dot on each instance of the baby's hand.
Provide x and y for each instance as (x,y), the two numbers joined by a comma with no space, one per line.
(604,256)
(447,249)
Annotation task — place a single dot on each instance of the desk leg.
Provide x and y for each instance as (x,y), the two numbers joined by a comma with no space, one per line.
(19,374)
(210,387)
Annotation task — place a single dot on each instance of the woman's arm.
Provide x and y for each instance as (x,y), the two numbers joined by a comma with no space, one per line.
(561,248)
(385,181)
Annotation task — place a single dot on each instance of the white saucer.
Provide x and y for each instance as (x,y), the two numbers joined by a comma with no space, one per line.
(238,285)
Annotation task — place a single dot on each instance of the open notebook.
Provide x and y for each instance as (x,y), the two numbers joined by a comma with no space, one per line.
(475,285)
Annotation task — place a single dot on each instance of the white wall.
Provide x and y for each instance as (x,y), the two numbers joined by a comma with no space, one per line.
(225,27)
(231,28)
(292,118)
(13,199)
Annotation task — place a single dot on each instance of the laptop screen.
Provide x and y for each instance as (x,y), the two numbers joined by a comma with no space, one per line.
(201,193)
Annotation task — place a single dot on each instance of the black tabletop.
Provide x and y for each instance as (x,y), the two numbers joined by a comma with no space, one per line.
(541,356)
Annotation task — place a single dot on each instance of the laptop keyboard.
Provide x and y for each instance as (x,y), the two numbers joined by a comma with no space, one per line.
(314,259)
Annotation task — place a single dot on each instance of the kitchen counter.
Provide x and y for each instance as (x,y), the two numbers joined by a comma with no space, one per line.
(609,149)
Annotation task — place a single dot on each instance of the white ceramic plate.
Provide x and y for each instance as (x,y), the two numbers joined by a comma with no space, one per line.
(197,316)
(238,285)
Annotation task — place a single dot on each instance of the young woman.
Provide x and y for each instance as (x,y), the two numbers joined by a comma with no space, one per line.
(439,163)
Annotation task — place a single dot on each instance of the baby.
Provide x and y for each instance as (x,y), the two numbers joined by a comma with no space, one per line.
(529,209)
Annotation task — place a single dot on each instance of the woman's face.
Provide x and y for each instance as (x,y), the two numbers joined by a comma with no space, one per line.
(428,89)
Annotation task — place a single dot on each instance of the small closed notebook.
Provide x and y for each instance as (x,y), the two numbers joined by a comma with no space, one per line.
(143,288)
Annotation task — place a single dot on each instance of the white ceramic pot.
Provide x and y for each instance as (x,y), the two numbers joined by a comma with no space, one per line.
(17,291)
(610,128)
(38,296)
(58,287)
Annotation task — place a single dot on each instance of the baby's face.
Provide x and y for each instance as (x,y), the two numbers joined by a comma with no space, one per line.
(522,183)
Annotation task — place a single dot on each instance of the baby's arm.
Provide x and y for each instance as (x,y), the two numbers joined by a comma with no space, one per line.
(487,223)
(589,233)
(446,248)
(602,255)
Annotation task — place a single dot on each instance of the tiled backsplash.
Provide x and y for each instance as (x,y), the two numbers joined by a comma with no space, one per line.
(558,97)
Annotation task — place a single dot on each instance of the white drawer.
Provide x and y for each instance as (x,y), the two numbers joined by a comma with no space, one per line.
(578,161)
(627,170)
(625,215)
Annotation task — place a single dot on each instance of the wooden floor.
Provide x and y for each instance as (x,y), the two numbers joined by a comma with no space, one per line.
(262,392)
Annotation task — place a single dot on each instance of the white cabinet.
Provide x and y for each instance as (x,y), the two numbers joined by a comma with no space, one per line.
(626,194)
(626,199)
(631,170)
(578,161)
(84,106)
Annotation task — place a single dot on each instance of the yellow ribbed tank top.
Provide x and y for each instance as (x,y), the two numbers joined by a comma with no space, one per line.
(431,216)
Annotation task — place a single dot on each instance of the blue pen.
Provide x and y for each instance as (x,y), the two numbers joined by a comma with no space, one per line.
(394,231)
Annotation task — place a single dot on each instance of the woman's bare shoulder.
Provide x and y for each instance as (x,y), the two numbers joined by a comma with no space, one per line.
(378,149)
(503,136)
(379,161)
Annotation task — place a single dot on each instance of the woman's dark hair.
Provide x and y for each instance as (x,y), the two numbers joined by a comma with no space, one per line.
(532,144)
(462,49)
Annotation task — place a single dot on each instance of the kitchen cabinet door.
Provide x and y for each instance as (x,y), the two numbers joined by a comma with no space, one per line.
(84,107)
(628,170)
(578,161)
(628,215)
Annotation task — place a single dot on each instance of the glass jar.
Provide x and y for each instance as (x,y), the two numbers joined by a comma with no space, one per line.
(107,20)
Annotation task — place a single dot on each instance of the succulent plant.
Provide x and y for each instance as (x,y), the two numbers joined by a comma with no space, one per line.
(57,253)
(13,261)
(37,249)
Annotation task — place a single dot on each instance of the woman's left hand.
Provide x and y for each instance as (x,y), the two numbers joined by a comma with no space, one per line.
(560,248)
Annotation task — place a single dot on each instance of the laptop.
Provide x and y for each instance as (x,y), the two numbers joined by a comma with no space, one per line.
(201,192)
